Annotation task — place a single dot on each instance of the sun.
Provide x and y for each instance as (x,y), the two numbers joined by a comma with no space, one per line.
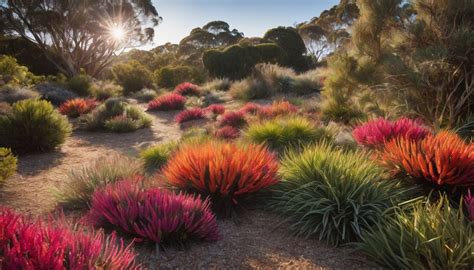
(117,32)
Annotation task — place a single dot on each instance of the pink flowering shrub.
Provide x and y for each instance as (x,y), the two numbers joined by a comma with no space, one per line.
(187,89)
(469,201)
(189,115)
(155,215)
(216,109)
(376,132)
(250,107)
(227,132)
(167,102)
(27,244)
(233,119)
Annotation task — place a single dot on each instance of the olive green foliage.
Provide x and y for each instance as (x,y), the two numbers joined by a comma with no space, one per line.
(155,157)
(332,194)
(12,72)
(292,44)
(13,93)
(145,95)
(33,126)
(8,164)
(429,236)
(132,76)
(80,84)
(217,85)
(103,90)
(249,89)
(291,133)
(171,76)
(81,183)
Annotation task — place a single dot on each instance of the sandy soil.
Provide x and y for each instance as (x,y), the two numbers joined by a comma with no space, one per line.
(255,243)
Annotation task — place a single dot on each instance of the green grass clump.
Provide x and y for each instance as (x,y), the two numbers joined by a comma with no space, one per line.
(8,164)
(155,157)
(431,236)
(33,126)
(286,133)
(81,183)
(332,194)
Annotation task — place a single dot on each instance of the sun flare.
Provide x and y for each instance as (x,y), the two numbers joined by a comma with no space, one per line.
(117,33)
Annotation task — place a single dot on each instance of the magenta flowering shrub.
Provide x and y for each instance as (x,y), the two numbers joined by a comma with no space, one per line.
(233,119)
(187,89)
(469,201)
(227,132)
(216,109)
(155,215)
(27,244)
(191,114)
(167,102)
(376,132)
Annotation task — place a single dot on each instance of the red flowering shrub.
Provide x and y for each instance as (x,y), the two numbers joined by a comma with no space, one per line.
(233,119)
(376,132)
(469,201)
(250,107)
(187,89)
(224,172)
(189,115)
(278,108)
(227,132)
(77,107)
(167,102)
(443,159)
(216,109)
(26,244)
(154,215)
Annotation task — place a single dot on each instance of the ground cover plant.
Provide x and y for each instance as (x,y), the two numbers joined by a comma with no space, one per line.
(77,107)
(155,157)
(8,164)
(167,102)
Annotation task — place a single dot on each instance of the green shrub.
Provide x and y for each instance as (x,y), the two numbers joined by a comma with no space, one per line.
(332,194)
(215,97)
(12,72)
(250,89)
(217,85)
(33,126)
(428,237)
(170,77)
(341,112)
(285,133)
(306,83)
(279,79)
(54,93)
(82,182)
(79,84)
(103,90)
(8,164)
(145,95)
(132,76)
(12,94)
(155,157)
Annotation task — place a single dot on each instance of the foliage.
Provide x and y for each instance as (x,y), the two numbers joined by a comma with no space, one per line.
(54,93)
(132,76)
(227,173)
(217,85)
(33,126)
(427,237)
(440,160)
(249,89)
(227,133)
(469,201)
(215,97)
(333,194)
(167,102)
(30,244)
(81,183)
(292,44)
(233,119)
(80,84)
(156,157)
(145,95)
(171,76)
(376,132)
(8,164)
(216,109)
(12,72)
(190,115)
(103,90)
(278,108)
(12,94)
(187,89)
(306,83)
(287,133)
(251,108)
(77,107)
(154,215)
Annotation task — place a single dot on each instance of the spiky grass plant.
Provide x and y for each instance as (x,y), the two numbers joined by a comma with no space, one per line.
(8,163)
(331,194)
(190,115)
(227,133)
(167,102)
(216,109)
(277,108)
(469,201)
(233,119)
(76,193)
(430,236)
(155,157)
(77,107)
(187,89)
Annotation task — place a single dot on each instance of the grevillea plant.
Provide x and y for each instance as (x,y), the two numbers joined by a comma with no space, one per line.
(187,89)
(443,159)
(227,132)
(251,108)
(154,215)
(469,201)
(225,172)
(216,109)
(189,115)
(77,107)
(233,119)
(278,108)
(29,244)
(375,133)
(167,102)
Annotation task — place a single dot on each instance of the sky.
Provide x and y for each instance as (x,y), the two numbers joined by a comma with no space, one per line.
(253,17)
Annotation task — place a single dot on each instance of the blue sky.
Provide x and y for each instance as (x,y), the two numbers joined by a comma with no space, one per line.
(253,17)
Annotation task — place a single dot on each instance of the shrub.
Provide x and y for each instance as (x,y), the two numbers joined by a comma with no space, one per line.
(216,109)
(376,132)
(250,107)
(332,194)
(154,215)
(217,85)
(428,237)
(12,94)
(190,115)
(215,97)
(145,95)
(306,83)
(286,133)
(442,160)
(157,156)
(55,93)
(28,244)
(226,173)
(341,111)
(103,90)
(121,123)
(469,201)
(80,84)
(187,89)
(233,119)
(278,108)
(81,183)
(249,89)
(77,107)
(8,164)
(12,72)
(132,76)
(33,126)
(227,133)
(167,102)
(278,79)
(169,77)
